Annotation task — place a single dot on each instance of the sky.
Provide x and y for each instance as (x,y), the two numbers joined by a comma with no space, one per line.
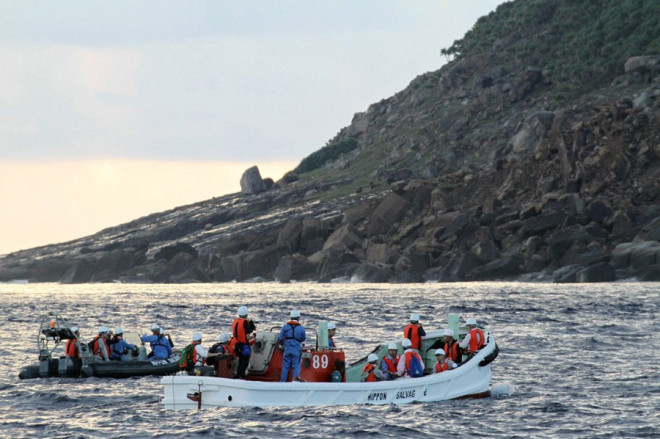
(110,111)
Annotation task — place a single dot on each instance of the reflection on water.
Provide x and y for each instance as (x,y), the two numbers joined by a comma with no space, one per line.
(575,360)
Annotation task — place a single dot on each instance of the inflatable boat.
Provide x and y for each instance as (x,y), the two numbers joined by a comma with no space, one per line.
(54,331)
(328,382)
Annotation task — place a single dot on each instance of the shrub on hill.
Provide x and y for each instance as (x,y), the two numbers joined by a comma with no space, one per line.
(329,152)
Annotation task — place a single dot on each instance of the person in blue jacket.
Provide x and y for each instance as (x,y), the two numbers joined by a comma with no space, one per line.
(119,346)
(292,337)
(161,349)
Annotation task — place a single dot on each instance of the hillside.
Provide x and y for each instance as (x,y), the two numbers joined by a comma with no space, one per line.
(533,153)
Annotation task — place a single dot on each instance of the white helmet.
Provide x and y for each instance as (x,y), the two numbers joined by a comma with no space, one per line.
(331,325)
(295,314)
(471,322)
(392,346)
(103,329)
(196,336)
(449,332)
(161,331)
(243,311)
(406,343)
(372,358)
(414,317)
(440,352)
(74,329)
(155,328)
(224,337)
(118,330)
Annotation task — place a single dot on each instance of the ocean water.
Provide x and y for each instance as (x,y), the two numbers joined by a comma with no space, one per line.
(575,360)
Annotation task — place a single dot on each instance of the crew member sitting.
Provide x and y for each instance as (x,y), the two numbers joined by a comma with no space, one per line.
(474,339)
(390,362)
(451,346)
(161,349)
(370,372)
(120,347)
(414,332)
(332,329)
(443,363)
(220,348)
(410,364)
(72,349)
(100,348)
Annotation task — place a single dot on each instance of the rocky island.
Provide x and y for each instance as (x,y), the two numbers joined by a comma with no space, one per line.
(534,153)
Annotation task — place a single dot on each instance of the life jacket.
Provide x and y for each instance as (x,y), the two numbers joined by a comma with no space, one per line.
(412,371)
(230,347)
(477,340)
(452,352)
(96,350)
(71,348)
(441,367)
(188,357)
(411,332)
(293,324)
(238,327)
(391,364)
(369,369)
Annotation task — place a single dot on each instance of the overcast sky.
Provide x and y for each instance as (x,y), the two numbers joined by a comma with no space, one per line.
(139,88)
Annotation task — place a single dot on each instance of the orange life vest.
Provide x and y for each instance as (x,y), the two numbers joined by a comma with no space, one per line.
(71,348)
(96,350)
(411,332)
(369,368)
(194,345)
(230,347)
(391,364)
(239,330)
(451,351)
(477,340)
(409,356)
(441,367)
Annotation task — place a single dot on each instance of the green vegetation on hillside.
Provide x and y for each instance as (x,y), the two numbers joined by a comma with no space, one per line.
(578,42)
(329,152)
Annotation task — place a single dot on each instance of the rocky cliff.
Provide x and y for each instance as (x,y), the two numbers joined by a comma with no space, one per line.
(534,153)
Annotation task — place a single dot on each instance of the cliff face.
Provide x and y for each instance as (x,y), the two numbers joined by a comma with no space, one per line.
(535,153)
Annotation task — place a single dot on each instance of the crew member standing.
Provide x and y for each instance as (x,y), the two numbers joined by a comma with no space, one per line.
(474,339)
(332,329)
(242,329)
(414,332)
(292,337)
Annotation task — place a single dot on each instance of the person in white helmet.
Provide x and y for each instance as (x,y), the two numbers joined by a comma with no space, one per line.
(220,348)
(291,339)
(370,373)
(161,349)
(390,362)
(243,331)
(450,346)
(332,330)
(443,363)
(100,347)
(414,332)
(119,346)
(410,362)
(474,339)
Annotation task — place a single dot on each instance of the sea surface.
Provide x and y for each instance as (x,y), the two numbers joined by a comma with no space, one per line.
(575,360)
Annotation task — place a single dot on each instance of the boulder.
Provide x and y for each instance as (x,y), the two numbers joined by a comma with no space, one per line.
(642,63)
(506,266)
(540,224)
(313,235)
(639,256)
(251,181)
(599,210)
(257,263)
(566,274)
(80,272)
(289,234)
(459,264)
(564,239)
(602,272)
(371,273)
(294,267)
(389,211)
(170,251)
(346,235)
(407,277)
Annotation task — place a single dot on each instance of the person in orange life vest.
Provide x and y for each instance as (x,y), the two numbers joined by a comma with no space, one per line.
(370,373)
(332,329)
(100,348)
(404,361)
(414,332)
(450,347)
(443,363)
(474,339)
(291,339)
(72,350)
(390,362)
(242,329)
(200,353)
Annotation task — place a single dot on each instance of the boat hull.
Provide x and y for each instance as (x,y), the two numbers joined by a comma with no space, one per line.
(469,380)
(106,369)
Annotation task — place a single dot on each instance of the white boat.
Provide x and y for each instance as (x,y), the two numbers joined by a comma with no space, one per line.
(471,379)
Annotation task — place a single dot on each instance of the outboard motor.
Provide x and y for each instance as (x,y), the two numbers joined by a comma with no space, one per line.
(44,363)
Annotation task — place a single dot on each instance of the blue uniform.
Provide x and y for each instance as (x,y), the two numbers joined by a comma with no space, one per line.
(331,343)
(160,346)
(291,336)
(118,348)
